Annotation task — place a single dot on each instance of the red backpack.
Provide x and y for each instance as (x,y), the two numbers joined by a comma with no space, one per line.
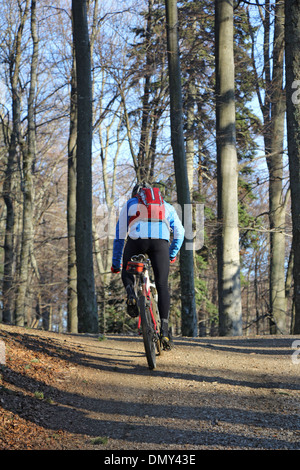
(150,205)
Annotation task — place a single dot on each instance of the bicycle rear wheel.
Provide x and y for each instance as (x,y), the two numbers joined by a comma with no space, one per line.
(148,332)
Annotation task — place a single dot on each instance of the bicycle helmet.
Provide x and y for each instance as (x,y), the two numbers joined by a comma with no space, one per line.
(139,186)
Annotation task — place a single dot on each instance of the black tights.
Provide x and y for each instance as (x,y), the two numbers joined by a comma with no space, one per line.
(158,252)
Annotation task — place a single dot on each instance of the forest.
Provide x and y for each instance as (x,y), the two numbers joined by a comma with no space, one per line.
(87,93)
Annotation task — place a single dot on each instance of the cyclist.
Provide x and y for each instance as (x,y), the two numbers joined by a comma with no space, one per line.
(151,237)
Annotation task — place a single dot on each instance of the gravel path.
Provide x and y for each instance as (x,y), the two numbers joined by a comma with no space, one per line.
(77,392)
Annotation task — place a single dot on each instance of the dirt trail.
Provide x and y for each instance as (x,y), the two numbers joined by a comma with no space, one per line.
(76,392)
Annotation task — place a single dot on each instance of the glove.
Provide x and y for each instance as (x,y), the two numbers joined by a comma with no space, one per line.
(115,270)
(172,261)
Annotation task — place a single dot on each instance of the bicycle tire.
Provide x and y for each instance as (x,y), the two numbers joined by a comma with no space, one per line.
(157,320)
(148,333)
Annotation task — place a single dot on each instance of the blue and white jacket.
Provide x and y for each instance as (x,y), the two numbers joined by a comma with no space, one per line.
(141,228)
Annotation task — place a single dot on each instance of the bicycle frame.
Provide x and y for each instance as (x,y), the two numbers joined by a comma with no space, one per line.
(146,285)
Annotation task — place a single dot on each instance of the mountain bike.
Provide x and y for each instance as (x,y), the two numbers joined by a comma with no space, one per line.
(145,292)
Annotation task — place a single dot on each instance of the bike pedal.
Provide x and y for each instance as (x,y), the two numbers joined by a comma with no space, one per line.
(167,343)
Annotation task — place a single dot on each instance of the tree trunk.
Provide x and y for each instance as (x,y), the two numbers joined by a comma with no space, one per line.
(71,209)
(7,286)
(28,189)
(229,288)
(190,148)
(14,66)
(188,305)
(87,305)
(292,40)
(273,110)
(274,152)
(143,168)
(152,100)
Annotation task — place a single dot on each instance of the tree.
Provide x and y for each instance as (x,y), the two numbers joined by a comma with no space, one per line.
(189,318)
(154,93)
(71,208)
(147,72)
(277,201)
(14,55)
(229,287)
(292,38)
(272,104)
(87,306)
(29,155)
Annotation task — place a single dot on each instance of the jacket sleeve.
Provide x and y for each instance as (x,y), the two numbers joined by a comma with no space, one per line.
(121,234)
(178,234)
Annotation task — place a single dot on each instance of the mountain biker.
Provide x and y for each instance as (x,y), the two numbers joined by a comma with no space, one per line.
(151,237)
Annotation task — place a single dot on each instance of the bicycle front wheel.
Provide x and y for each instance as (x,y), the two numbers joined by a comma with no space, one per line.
(148,332)
(157,320)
